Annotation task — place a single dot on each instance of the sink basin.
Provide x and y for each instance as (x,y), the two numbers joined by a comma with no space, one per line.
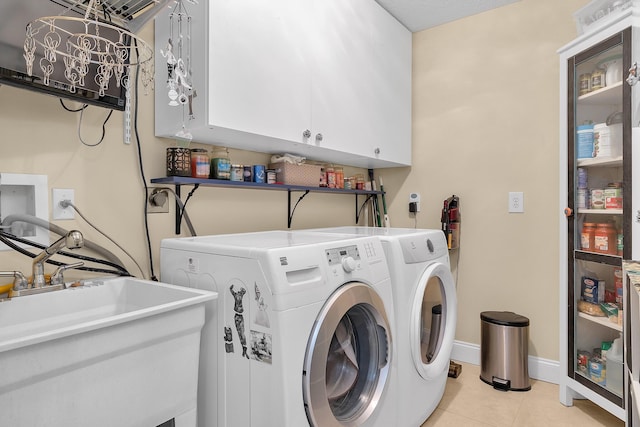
(115,351)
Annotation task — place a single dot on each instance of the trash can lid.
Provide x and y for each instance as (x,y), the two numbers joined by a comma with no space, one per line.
(504,318)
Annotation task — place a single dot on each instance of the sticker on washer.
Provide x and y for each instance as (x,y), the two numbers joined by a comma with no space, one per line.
(262,317)
(261,346)
(238,317)
(228,339)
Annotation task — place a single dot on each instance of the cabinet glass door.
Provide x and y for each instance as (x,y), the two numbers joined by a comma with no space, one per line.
(599,198)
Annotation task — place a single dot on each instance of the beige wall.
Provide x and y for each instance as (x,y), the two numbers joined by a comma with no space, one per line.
(485,122)
(485,115)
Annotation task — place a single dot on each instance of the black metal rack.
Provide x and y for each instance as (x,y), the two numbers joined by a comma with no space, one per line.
(179,181)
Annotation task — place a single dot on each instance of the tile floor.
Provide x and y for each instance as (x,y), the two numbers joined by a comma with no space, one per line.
(469,402)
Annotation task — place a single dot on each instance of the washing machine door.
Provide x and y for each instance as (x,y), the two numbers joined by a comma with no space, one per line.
(347,359)
(433,321)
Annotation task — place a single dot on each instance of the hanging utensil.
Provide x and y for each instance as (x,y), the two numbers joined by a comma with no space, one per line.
(374,199)
(387,222)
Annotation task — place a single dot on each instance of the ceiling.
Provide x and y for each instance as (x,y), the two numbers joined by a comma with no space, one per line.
(418,15)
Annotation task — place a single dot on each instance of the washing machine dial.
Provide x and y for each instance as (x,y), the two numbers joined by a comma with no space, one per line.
(348,264)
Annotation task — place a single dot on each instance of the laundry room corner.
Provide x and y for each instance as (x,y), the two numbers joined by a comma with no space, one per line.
(501,138)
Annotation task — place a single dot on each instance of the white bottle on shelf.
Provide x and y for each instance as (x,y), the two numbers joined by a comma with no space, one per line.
(614,367)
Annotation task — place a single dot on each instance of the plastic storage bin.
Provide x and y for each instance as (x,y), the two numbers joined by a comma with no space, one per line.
(504,350)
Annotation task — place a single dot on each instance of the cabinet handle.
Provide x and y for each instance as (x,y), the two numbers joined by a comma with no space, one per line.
(633,74)
(306,133)
(377,151)
(568,212)
(319,137)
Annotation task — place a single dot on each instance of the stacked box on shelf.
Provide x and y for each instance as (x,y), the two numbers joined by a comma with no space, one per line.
(305,174)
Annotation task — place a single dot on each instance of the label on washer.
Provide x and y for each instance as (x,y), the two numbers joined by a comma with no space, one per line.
(335,255)
(193,265)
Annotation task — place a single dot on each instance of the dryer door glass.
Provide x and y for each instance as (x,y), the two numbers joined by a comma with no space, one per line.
(347,358)
(433,321)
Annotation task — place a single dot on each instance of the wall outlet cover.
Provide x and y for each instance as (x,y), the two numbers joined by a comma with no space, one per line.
(58,195)
(516,202)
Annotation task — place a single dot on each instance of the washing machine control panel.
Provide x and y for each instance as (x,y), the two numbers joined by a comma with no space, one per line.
(346,256)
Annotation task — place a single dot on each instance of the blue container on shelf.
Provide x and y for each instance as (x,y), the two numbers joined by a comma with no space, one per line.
(584,145)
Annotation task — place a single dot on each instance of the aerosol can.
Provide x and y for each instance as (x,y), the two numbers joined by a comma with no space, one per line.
(434,333)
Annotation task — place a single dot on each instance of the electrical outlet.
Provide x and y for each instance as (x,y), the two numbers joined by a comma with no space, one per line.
(157,200)
(415,198)
(58,195)
(516,201)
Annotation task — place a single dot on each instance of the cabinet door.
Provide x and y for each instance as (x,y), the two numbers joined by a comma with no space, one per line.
(341,82)
(391,81)
(599,194)
(273,70)
(259,75)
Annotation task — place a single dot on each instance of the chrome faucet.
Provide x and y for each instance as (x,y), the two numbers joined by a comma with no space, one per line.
(73,240)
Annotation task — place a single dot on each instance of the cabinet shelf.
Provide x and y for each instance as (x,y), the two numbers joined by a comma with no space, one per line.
(609,95)
(603,387)
(595,162)
(604,321)
(613,260)
(179,181)
(600,211)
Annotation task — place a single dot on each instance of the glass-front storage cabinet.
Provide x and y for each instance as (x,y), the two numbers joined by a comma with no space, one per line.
(595,174)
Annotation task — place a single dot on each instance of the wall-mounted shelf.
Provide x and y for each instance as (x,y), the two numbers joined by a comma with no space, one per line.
(179,181)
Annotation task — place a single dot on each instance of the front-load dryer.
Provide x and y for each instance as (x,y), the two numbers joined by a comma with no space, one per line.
(301,333)
(425,302)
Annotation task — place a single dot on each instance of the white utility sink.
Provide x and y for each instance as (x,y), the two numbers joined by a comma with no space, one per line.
(114,352)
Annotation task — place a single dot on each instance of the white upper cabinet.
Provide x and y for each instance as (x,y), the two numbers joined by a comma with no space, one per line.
(258,72)
(341,78)
(391,88)
(326,79)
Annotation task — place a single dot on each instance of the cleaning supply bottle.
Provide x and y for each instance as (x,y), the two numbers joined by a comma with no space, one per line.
(614,367)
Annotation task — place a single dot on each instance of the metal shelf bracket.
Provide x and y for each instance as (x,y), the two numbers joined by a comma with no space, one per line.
(289,210)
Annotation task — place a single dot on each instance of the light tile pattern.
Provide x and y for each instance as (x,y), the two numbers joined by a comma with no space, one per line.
(469,402)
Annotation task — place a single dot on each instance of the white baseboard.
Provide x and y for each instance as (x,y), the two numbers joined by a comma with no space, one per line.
(539,368)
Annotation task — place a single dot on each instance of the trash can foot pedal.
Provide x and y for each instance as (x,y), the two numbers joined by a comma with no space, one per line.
(454,369)
(500,384)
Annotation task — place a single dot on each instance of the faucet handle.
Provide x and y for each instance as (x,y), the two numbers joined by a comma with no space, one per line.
(58,276)
(19,279)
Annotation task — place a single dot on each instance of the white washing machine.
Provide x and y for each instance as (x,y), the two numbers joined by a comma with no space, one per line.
(425,304)
(301,333)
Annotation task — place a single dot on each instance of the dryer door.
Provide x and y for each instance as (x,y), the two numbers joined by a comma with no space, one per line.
(347,358)
(433,321)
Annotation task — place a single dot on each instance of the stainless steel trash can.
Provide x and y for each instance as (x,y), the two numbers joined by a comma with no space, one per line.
(504,350)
